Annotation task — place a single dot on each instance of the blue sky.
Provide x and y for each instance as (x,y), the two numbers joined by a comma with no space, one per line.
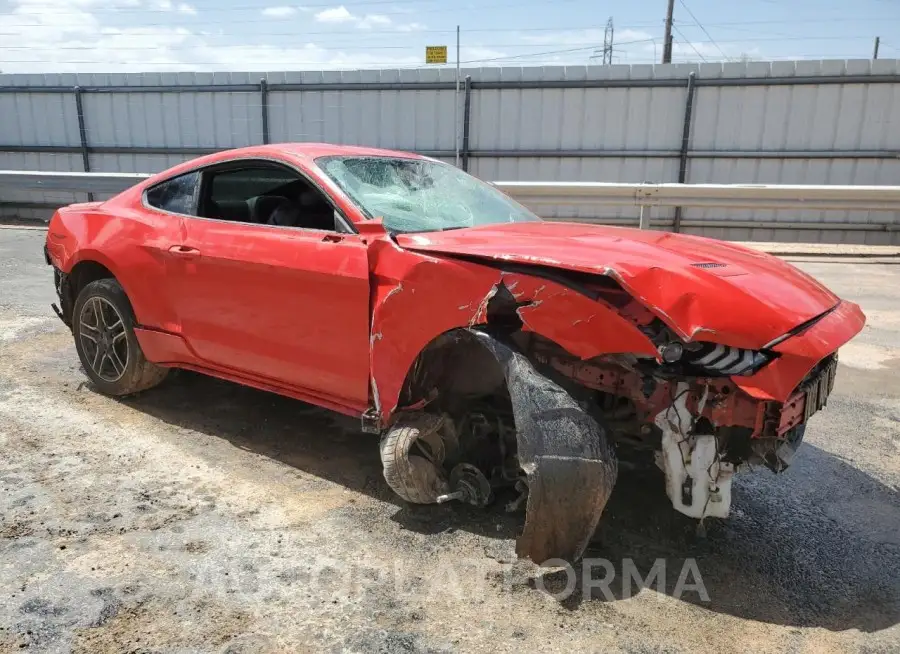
(132,35)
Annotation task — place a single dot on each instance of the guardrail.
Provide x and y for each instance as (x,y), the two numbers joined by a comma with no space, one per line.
(731,196)
(644,195)
(25,180)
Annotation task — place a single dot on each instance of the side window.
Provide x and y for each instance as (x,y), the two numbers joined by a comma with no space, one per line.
(265,195)
(239,185)
(176,195)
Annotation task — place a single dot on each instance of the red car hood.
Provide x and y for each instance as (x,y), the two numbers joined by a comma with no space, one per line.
(704,289)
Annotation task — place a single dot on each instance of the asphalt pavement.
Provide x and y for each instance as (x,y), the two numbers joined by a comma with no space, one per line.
(204,516)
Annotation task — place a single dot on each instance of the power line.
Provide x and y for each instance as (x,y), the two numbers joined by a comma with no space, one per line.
(351,19)
(355,44)
(700,25)
(349,46)
(550,52)
(794,21)
(357,32)
(260,66)
(678,31)
(295,62)
(365,31)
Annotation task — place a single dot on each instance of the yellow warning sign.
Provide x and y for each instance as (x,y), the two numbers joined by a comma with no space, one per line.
(435,54)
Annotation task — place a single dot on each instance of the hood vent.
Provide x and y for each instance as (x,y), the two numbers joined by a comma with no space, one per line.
(709,264)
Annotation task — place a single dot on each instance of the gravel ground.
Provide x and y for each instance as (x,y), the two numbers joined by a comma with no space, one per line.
(203,516)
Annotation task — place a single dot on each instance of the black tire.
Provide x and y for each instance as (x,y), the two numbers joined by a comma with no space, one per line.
(115,377)
(412,453)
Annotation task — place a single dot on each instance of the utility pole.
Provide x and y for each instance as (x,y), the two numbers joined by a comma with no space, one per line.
(667,45)
(608,43)
(877,43)
(456,102)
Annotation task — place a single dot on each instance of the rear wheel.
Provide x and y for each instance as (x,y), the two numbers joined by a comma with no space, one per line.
(103,326)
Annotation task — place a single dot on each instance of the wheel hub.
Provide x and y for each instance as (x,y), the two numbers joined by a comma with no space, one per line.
(103,339)
(469,485)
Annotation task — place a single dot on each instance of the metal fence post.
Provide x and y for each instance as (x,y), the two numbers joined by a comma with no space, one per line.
(685,142)
(82,134)
(467,112)
(264,103)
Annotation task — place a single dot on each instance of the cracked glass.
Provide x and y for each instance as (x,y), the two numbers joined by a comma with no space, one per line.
(421,195)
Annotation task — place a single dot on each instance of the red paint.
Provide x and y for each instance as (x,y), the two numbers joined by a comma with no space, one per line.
(750,301)
(284,304)
(800,353)
(339,320)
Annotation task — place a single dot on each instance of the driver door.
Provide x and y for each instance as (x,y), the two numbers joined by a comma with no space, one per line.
(286,304)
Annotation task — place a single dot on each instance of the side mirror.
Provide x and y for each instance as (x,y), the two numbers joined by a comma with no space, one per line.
(371,227)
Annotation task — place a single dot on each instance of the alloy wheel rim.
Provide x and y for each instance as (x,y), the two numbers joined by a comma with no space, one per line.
(103,339)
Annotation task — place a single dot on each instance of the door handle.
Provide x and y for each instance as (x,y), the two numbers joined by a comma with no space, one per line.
(184,251)
(332,238)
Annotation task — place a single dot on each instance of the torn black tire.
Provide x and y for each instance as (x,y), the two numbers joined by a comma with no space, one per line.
(570,465)
(412,453)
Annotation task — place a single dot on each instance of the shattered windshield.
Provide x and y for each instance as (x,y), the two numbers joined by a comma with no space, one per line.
(421,195)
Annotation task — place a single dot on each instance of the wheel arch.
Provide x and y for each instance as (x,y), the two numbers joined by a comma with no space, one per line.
(446,364)
(564,452)
(83,271)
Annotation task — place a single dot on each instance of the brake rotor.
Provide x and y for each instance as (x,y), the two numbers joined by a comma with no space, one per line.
(469,485)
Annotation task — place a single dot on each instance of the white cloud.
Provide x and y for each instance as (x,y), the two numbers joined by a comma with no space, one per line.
(695,51)
(66,36)
(477,52)
(335,15)
(410,27)
(282,11)
(45,22)
(581,37)
(338,15)
(373,20)
(181,7)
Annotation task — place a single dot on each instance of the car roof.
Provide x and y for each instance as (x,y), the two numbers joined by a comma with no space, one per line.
(285,151)
(305,150)
(314,150)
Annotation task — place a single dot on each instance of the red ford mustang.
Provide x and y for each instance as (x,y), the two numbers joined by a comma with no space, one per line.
(494,353)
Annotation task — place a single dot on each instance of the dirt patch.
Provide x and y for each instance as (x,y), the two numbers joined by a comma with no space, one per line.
(154,624)
(15,530)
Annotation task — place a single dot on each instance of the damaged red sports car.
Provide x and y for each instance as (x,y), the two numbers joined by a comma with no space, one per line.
(493,352)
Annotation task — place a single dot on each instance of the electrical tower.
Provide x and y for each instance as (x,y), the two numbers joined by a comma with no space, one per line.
(606,54)
(608,43)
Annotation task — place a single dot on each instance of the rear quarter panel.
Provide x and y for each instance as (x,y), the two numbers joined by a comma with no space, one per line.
(132,244)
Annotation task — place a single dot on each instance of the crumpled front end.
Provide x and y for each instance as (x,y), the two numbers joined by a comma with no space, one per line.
(601,369)
(704,414)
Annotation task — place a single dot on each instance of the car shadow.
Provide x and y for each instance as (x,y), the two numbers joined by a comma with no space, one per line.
(817,546)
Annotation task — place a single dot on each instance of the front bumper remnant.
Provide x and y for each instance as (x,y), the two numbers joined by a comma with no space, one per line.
(569,463)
